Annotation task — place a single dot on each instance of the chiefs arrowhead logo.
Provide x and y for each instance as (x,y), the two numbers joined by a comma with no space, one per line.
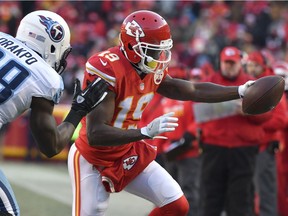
(132,28)
(129,162)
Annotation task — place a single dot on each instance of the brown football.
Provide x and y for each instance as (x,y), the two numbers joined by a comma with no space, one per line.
(263,95)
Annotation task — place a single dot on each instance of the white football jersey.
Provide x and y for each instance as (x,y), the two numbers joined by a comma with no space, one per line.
(23,75)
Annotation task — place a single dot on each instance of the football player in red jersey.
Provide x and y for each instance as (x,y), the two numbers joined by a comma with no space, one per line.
(111,153)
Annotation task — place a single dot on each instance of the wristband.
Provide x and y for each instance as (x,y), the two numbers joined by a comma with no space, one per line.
(240,91)
(144,132)
(73,117)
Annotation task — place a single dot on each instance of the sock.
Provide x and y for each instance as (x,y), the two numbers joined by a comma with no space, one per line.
(179,207)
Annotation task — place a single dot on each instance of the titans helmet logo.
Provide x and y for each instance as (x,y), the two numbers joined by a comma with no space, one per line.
(53,28)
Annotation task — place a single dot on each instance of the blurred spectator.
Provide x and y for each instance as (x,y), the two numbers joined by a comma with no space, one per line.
(200,29)
(265,175)
(181,152)
(152,111)
(269,58)
(198,74)
(230,143)
(10,15)
(181,149)
(281,69)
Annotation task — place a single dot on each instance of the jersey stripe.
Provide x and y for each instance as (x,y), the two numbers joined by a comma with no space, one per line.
(7,202)
(92,70)
(77,183)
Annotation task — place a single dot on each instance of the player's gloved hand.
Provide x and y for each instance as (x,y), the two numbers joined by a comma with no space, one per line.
(164,123)
(242,88)
(86,100)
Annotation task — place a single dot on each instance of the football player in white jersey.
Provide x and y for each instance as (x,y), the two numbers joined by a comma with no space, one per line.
(30,68)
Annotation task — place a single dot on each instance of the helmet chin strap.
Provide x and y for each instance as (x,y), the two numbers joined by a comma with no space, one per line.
(142,68)
(139,68)
(145,62)
(158,75)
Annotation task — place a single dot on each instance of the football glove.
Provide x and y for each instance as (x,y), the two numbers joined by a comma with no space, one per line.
(86,100)
(242,88)
(164,123)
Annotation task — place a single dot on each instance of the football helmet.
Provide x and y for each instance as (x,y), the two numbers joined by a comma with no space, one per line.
(48,34)
(145,39)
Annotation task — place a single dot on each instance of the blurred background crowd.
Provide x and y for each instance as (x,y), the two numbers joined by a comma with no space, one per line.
(200,29)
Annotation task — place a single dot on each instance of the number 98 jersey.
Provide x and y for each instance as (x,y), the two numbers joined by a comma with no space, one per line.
(23,75)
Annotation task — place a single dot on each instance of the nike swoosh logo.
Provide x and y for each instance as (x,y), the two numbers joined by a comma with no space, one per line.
(84,93)
(94,82)
(103,63)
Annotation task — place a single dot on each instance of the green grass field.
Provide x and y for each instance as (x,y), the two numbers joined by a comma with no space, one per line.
(43,189)
(33,204)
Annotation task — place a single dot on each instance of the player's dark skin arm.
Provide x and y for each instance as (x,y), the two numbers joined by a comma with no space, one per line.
(51,139)
(101,133)
(99,130)
(199,92)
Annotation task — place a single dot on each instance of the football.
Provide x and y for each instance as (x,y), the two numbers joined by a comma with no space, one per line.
(263,95)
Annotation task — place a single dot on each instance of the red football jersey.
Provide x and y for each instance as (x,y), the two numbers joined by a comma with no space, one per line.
(132,96)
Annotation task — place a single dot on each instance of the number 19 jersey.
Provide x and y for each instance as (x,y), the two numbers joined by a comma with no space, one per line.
(132,96)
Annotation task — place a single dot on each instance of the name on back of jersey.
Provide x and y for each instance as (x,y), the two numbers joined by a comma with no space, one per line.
(17,50)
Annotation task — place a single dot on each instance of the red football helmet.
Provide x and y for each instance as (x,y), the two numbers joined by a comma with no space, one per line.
(146,41)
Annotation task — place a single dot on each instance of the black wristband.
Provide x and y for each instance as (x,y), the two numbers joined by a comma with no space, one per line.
(73,117)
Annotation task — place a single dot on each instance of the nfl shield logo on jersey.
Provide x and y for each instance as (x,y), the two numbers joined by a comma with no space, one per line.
(141,86)
(129,162)
(158,77)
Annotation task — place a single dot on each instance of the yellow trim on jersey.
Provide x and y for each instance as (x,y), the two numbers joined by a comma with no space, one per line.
(77,183)
(92,70)
(22,151)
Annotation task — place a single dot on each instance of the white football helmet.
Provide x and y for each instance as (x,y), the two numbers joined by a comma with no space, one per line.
(48,34)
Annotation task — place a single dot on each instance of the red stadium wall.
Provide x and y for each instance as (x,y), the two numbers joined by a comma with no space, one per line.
(16,138)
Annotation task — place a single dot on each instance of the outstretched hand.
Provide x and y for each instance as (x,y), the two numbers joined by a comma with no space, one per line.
(242,88)
(86,100)
(164,123)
